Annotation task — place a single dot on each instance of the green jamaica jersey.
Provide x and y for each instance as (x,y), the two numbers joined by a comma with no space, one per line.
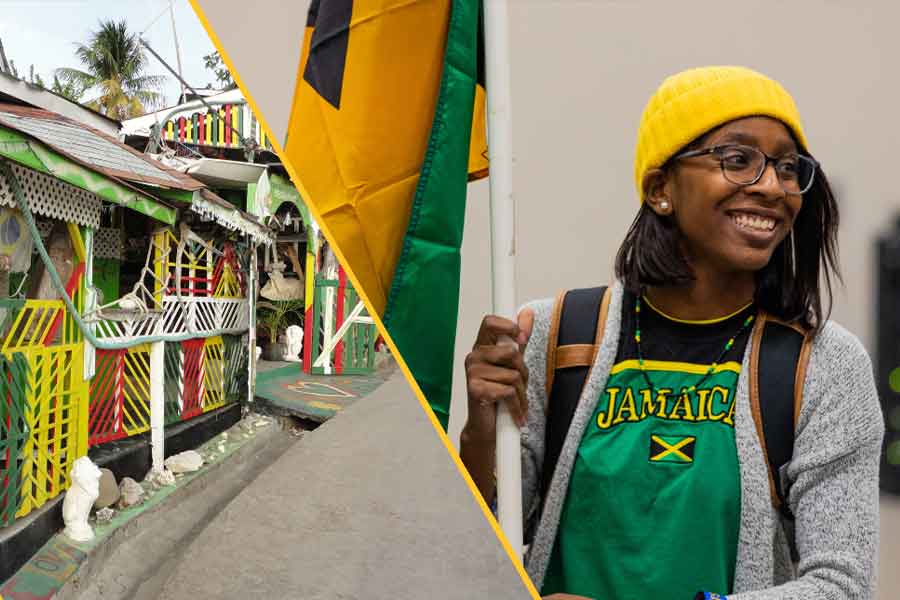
(654,499)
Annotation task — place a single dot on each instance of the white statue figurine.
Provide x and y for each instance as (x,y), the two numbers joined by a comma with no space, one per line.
(294,336)
(80,498)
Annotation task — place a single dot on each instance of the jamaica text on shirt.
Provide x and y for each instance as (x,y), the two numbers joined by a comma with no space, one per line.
(713,404)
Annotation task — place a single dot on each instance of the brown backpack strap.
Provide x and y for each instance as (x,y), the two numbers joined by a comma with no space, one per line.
(572,355)
(776,392)
(578,318)
(601,322)
(755,343)
(800,376)
(575,355)
(553,339)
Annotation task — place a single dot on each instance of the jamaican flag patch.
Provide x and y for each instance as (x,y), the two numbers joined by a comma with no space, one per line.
(672,449)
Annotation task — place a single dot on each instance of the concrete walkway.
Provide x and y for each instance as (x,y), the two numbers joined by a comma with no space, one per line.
(369,505)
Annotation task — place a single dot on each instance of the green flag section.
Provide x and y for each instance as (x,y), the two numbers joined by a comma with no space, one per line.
(422,306)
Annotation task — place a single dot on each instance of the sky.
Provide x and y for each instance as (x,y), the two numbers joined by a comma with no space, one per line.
(44,33)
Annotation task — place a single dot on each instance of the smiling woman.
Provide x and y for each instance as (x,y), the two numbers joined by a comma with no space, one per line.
(693,428)
(720,211)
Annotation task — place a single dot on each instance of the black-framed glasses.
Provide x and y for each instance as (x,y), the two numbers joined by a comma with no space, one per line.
(745,165)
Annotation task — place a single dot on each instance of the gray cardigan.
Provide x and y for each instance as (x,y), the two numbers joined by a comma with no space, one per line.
(833,473)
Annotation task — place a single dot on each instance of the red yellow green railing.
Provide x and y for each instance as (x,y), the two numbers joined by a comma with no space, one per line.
(221,129)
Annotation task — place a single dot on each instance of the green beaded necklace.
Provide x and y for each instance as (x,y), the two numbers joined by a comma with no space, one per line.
(728,346)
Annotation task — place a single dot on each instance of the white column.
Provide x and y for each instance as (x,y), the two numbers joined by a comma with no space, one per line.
(251,330)
(157,404)
(210,266)
(328,322)
(90,301)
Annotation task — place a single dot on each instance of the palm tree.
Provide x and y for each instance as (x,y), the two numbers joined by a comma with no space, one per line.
(115,67)
(70,89)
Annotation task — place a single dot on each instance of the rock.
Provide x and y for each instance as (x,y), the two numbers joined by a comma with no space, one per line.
(109,490)
(160,478)
(105,515)
(184,462)
(131,492)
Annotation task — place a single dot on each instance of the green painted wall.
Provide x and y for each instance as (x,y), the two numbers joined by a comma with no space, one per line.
(106,278)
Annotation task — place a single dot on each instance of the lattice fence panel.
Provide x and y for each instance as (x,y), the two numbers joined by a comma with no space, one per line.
(58,391)
(33,324)
(196,274)
(214,373)
(52,197)
(179,316)
(176,315)
(174,382)
(236,357)
(105,412)
(227,285)
(71,334)
(228,281)
(14,432)
(45,229)
(118,330)
(206,316)
(136,389)
(192,397)
(234,315)
(108,243)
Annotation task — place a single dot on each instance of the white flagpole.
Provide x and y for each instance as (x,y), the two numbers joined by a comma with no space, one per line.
(503,252)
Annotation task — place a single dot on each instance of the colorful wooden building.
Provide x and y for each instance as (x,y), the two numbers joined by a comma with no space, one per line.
(342,338)
(197,136)
(128,286)
(127,295)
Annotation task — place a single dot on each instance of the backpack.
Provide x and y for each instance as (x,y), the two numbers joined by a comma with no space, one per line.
(779,353)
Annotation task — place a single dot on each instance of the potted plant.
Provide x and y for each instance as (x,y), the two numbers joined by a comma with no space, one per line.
(274,317)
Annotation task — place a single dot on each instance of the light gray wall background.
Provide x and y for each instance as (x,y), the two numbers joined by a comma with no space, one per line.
(263,40)
(581,73)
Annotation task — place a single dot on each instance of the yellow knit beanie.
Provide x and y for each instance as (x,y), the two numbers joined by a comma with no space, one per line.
(690,103)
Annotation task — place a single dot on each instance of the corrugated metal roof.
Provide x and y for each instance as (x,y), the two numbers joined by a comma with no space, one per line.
(80,143)
(105,154)
(93,148)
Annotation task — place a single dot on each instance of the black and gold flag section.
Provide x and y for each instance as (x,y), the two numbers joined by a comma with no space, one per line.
(387,128)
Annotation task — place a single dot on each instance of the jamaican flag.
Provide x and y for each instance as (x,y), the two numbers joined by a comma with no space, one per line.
(386,128)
